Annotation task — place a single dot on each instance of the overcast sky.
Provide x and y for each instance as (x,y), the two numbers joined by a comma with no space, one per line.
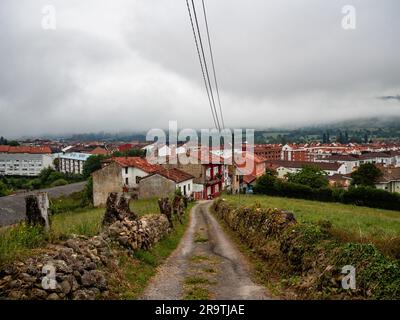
(132,65)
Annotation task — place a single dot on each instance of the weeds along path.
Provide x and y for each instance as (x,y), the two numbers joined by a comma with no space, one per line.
(206,265)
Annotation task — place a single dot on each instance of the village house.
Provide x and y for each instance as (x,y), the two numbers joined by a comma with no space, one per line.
(208,171)
(340,181)
(351,162)
(375,158)
(99,151)
(284,167)
(24,160)
(164,183)
(125,174)
(258,167)
(390,180)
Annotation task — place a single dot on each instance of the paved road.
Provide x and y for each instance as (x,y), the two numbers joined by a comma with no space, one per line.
(12,208)
(207,263)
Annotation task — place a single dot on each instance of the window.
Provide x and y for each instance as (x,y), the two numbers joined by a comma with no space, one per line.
(137,180)
(127,181)
(126,170)
(189,187)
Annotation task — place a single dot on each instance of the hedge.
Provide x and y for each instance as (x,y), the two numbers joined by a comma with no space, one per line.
(360,196)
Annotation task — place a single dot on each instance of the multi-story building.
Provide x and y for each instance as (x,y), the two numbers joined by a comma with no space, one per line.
(268,151)
(72,162)
(375,158)
(208,170)
(24,161)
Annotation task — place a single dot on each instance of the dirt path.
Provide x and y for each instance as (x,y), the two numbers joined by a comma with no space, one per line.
(206,265)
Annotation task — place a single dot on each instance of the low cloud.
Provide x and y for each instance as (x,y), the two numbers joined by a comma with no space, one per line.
(390,97)
(131,65)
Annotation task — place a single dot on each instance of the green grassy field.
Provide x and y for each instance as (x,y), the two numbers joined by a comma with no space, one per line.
(362,221)
(349,223)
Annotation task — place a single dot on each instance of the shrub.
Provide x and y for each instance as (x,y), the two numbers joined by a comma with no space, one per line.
(360,196)
(87,196)
(4,191)
(59,182)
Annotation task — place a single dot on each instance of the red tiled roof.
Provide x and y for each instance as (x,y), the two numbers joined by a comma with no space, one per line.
(125,147)
(173,174)
(251,157)
(25,149)
(341,157)
(389,174)
(137,162)
(249,178)
(99,151)
(4,148)
(371,155)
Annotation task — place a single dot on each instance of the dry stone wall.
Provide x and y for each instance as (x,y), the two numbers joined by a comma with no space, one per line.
(74,269)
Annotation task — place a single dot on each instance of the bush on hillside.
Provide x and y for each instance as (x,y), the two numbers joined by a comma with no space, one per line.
(59,182)
(360,196)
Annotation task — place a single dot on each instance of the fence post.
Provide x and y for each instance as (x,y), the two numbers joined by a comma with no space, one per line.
(37,210)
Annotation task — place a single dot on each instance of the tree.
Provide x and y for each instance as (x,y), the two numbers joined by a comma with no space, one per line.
(92,164)
(340,137)
(130,153)
(13,143)
(366,175)
(87,196)
(3,189)
(56,163)
(324,139)
(310,176)
(346,137)
(265,184)
(44,176)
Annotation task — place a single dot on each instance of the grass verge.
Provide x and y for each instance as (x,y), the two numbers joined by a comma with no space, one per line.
(136,271)
(349,223)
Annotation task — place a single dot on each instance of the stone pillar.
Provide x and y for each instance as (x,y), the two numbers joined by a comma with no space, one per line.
(117,209)
(37,210)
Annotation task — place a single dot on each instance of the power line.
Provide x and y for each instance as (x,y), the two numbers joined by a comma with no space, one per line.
(201,63)
(213,65)
(205,63)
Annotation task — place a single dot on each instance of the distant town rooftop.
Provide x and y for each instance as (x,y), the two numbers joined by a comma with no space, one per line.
(25,149)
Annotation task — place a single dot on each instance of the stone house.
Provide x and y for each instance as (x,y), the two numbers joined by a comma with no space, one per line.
(105,181)
(164,183)
(121,174)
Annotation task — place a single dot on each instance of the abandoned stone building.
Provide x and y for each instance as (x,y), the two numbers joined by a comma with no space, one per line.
(165,182)
(124,174)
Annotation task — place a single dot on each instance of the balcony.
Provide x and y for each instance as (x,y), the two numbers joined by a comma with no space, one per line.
(209,181)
